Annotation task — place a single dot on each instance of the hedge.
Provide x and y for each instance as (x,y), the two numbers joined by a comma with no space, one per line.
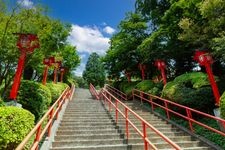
(192,90)
(15,124)
(127,87)
(34,97)
(150,87)
(145,85)
(56,89)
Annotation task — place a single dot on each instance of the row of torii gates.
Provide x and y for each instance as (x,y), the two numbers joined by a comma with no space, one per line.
(28,42)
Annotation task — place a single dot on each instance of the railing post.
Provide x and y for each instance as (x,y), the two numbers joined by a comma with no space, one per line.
(152,105)
(116,111)
(37,137)
(141,94)
(50,125)
(132,94)
(127,123)
(167,111)
(57,114)
(144,136)
(189,115)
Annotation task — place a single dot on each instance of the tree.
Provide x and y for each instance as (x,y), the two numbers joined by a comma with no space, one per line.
(123,55)
(94,72)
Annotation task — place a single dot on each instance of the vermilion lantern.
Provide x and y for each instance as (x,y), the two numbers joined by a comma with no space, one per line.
(205,59)
(26,44)
(160,64)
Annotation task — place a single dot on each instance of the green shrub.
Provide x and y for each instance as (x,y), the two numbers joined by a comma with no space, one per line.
(197,79)
(222,105)
(145,85)
(56,89)
(34,97)
(190,90)
(15,124)
(1,102)
(127,87)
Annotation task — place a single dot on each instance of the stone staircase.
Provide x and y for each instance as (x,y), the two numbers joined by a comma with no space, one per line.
(184,140)
(88,125)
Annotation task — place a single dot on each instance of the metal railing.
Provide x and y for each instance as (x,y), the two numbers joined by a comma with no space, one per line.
(93,91)
(116,92)
(166,105)
(108,99)
(51,115)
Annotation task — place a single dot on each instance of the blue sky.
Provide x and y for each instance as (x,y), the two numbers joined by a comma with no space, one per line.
(93,22)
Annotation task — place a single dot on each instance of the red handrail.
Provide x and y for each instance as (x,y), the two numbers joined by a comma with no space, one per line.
(50,114)
(93,91)
(108,97)
(116,92)
(189,111)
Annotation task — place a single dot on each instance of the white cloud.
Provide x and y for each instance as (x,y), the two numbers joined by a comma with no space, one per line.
(26,3)
(109,30)
(88,39)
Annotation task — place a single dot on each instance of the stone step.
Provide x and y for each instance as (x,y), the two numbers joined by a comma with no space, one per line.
(104,147)
(95,142)
(85,123)
(89,137)
(87,120)
(72,132)
(86,127)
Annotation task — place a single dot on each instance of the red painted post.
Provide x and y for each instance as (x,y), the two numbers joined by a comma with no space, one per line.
(163,75)
(144,136)
(142,67)
(45,75)
(26,44)
(161,66)
(188,112)
(205,59)
(127,123)
(57,65)
(62,71)
(213,84)
(116,111)
(128,75)
(55,74)
(17,78)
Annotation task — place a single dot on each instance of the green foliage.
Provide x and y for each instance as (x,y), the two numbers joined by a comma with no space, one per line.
(94,72)
(191,91)
(15,124)
(145,85)
(127,87)
(197,79)
(81,82)
(34,97)
(56,90)
(222,105)
(1,102)
(123,54)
